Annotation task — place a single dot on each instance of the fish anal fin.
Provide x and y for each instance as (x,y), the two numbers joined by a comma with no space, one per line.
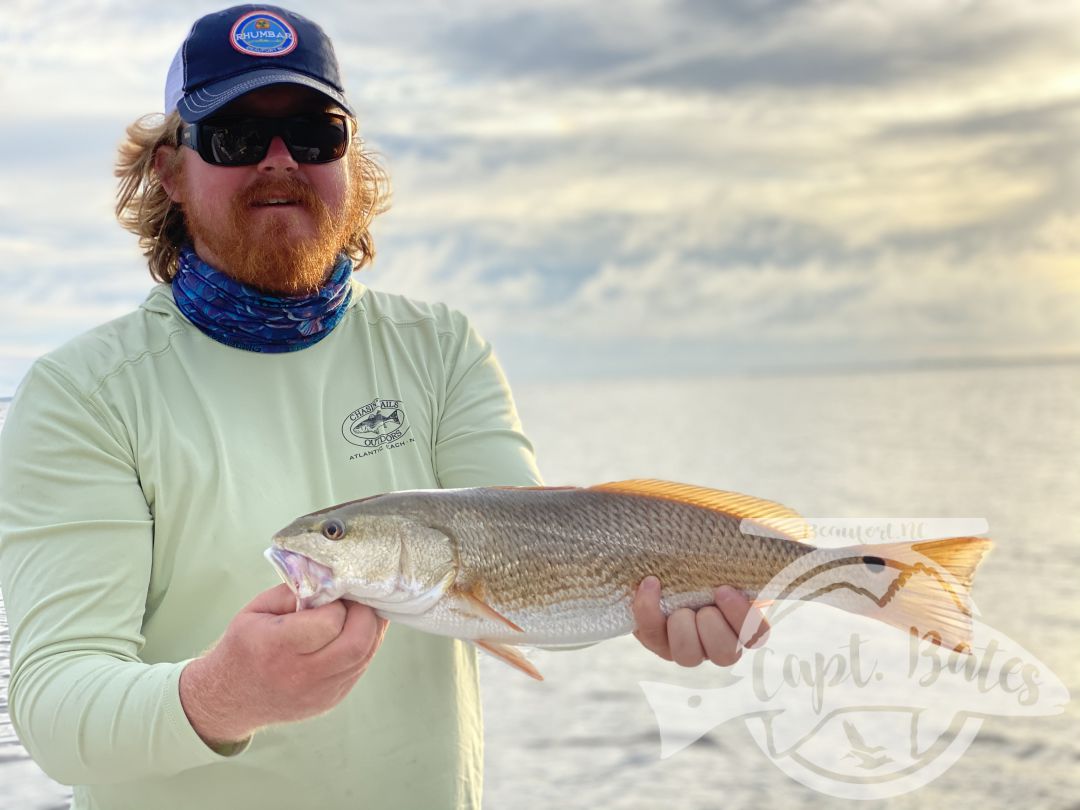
(472,601)
(510,655)
(774,517)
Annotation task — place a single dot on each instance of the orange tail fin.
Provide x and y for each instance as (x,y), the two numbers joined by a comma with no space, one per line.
(930,595)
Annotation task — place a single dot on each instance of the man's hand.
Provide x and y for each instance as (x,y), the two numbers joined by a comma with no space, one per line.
(689,637)
(274,665)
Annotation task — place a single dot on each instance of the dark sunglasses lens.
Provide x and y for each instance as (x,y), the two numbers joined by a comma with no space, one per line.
(245,141)
(234,143)
(317,139)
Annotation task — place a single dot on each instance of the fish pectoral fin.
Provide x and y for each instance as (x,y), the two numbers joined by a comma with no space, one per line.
(511,655)
(473,604)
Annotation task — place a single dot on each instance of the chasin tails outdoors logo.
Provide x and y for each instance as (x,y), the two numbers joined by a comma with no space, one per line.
(263,33)
(379,424)
(848,706)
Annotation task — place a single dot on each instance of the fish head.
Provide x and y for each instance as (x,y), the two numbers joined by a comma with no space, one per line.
(391,562)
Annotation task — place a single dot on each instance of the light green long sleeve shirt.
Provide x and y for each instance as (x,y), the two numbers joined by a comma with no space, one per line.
(144,468)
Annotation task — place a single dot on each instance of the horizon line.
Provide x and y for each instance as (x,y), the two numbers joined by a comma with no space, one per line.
(852,367)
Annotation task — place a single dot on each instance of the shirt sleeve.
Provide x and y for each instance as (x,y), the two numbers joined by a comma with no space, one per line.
(76,541)
(480,441)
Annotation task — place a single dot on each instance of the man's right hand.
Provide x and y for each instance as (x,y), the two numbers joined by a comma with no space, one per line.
(275,665)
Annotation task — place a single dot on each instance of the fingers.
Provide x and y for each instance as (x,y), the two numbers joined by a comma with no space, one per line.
(278,599)
(688,637)
(310,630)
(686,649)
(361,634)
(745,620)
(651,624)
(719,640)
(720,627)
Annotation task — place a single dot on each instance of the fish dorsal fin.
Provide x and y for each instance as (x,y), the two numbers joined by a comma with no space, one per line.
(773,517)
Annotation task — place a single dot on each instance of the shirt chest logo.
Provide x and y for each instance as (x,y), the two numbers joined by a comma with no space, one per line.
(374,426)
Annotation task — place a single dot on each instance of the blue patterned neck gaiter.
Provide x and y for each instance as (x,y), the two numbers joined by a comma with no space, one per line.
(244,318)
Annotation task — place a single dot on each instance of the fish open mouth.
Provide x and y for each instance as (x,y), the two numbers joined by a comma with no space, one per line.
(311,582)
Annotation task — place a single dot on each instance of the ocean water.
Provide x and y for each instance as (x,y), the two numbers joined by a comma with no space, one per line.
(995,443)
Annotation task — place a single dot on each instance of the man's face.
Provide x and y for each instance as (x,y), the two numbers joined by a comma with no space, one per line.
(279,248)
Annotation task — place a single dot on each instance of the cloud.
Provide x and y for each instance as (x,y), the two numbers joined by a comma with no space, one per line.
(640,186)
(718,48)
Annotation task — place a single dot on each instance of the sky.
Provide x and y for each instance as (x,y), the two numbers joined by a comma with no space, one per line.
(641,188)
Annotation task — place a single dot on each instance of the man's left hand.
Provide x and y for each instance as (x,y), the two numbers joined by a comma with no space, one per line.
(689,637)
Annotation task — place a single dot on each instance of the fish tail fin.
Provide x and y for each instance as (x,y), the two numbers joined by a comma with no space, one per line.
(930,594)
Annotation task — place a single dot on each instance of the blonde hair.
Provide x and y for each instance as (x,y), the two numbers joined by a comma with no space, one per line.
(145,208)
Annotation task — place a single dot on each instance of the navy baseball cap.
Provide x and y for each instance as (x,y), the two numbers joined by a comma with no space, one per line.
(232,52)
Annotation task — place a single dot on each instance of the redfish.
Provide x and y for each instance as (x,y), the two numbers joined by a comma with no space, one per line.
(558,566)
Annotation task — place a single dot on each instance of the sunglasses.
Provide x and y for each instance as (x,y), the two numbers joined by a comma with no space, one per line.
(245,140)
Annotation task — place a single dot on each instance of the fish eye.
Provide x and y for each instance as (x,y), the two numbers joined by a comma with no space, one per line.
(333,529)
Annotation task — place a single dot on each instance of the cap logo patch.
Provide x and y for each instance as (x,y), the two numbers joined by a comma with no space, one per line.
(263,33)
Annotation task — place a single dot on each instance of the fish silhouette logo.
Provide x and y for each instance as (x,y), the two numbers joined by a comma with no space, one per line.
(380,422)
(848,706)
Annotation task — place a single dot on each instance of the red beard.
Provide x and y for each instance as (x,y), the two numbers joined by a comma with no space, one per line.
(258,247)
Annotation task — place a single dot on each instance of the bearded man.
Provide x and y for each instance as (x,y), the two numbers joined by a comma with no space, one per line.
(145,464)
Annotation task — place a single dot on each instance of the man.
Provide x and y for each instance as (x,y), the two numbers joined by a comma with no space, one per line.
(145,465)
